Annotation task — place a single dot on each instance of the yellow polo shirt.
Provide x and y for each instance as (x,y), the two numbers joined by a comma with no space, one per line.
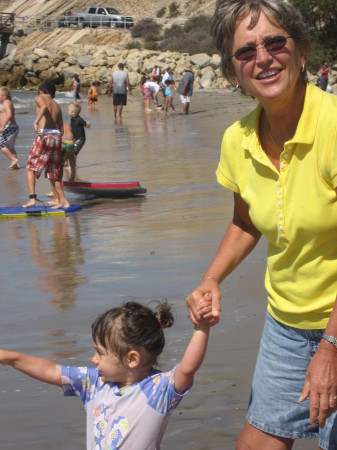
(296,208)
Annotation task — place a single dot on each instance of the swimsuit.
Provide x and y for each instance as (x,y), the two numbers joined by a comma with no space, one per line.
(46,154)
(8,136)
(67,149)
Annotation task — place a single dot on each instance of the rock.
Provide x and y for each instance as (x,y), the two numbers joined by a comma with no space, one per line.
(201,60)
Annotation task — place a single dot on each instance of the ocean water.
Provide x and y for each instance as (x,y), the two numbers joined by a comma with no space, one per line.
(57,274)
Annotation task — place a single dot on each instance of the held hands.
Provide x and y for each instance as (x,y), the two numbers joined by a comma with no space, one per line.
(204,303)
(321,385)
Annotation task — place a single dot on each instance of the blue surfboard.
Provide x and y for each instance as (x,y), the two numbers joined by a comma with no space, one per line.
(36,211)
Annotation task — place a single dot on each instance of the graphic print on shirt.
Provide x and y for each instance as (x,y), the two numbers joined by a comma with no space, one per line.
(119,429)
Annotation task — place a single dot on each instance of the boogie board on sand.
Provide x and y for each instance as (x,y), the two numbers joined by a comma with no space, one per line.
(112,189)
(36,211)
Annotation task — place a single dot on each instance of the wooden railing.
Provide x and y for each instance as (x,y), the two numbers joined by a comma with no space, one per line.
(6,22)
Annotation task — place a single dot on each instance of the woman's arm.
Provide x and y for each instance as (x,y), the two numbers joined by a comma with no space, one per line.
(39,368)
(321,377)
(239,240)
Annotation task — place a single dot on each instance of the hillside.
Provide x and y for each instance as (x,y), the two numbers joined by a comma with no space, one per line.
(136,8)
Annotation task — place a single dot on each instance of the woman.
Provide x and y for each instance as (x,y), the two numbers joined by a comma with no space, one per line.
(281,163)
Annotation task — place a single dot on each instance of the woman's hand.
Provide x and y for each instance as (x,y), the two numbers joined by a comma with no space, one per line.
(195,302)
(321,385)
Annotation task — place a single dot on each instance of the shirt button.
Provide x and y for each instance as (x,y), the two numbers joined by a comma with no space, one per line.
(280,191)
(281,228)
(280,216)
(290,146)
(285,155)
(282,166)
(279,203)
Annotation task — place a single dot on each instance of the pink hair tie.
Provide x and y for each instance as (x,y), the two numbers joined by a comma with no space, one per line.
(159,321)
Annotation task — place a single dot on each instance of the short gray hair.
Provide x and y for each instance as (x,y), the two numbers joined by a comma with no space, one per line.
(279,12)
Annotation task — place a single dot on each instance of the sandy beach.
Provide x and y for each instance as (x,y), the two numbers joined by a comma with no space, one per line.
(58,274)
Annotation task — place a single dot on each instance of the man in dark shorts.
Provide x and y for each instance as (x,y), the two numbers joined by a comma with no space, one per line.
(119,84)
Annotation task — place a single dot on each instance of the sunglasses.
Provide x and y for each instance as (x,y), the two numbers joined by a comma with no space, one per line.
(272,45)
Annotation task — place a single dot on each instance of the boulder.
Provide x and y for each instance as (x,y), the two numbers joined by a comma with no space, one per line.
(201,59)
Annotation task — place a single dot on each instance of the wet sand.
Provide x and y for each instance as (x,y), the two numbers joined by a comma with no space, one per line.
(58,274)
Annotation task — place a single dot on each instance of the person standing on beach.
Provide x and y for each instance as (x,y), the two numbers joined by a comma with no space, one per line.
(169,95)
(280,162)
(8,128)
(185,88)
(77,88)
(120,86)
(46,149)
(78,126)
(128,401)
(324,75)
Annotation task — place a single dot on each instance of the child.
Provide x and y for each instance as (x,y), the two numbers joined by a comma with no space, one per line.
(78,126)
(8,128)
(128,402)
(169,94)
(93,95)
(45,153)
(76,88)
(67,154)
(150,90)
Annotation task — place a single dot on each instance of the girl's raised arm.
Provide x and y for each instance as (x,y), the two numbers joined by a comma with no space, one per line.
(39,368)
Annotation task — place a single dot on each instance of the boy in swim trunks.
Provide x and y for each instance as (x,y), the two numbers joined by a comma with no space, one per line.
(8,128)
(46,149)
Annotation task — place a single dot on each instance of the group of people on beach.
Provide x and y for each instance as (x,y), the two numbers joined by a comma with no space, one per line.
(166,84)
(280,162)
(56,142)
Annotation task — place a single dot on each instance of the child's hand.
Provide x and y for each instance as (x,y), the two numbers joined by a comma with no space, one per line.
(205,311)
(88,125)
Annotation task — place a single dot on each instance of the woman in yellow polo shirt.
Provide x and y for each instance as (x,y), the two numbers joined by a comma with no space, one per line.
(281,164)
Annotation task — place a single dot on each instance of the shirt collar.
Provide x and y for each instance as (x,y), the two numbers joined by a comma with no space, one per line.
(306,128)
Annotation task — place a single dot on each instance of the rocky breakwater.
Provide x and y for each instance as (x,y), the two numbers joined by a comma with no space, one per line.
(28,64)
(93,54)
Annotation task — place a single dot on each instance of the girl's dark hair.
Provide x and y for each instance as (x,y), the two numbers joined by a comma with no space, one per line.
(133,325)
(77,78)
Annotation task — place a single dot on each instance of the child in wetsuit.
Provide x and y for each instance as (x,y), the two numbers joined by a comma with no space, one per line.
(78,126)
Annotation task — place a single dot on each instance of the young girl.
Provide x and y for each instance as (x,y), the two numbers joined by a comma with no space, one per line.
(8,128)
(150,90)
(169,94)
(128,401)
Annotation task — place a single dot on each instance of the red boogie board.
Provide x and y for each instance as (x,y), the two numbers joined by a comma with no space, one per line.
(112,189)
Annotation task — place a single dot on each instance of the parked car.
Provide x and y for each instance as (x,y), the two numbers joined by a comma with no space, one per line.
(96,17)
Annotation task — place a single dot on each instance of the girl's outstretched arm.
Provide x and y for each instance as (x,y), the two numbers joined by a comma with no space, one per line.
(39,368)
(195,352)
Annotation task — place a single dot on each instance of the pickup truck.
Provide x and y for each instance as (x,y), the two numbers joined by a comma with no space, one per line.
(96,17)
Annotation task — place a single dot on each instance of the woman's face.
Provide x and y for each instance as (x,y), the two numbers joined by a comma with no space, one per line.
(268,76)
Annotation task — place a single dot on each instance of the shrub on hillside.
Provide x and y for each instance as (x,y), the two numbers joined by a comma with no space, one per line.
(201,22)
(133,44)
(173,10)
(161,12)
(174,32)
(151,45)
(192,38)
(148,29)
